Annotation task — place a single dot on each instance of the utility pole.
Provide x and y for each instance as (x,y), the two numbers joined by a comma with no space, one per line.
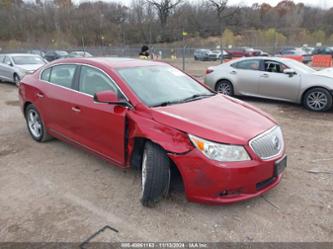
(221,40)
(184,34)
(83,46)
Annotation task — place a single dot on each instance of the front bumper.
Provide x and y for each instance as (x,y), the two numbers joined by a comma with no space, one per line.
(212,182)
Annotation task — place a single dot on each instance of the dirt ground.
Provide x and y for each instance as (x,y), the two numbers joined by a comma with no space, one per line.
(56,192)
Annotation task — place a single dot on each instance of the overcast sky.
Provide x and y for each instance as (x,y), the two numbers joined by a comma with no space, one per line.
(319,3)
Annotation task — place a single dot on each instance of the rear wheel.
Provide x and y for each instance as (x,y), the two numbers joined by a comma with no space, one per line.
(155,174)
(225,87)
(318,100)
(35,124)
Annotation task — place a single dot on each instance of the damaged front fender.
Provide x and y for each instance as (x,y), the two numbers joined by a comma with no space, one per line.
(170,139)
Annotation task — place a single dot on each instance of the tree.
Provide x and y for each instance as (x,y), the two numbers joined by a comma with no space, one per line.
(228,37)
(164,9)
(63,3)
(220,7)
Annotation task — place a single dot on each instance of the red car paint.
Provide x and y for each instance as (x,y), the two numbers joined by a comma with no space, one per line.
(110,131)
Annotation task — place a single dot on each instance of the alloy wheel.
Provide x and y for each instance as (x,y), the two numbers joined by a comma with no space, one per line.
(34,123)
(317,101)
(224,88)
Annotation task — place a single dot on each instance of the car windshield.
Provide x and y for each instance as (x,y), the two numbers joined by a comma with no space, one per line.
(81,53)
(298,66)
(27,60)
(163,85)
(62,53)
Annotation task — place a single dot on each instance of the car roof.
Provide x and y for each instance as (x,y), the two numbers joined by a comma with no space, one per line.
(19,54)
(261,58)
(113,62)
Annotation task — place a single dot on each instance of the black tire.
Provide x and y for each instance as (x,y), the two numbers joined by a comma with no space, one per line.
(156,169)
(195,58)
(225,87)
(318,99)
(16,79)
(41,135)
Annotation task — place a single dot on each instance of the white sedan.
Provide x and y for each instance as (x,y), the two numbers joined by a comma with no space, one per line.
(274,78)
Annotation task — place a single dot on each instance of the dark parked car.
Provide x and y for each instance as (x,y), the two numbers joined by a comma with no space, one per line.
(54,55)
(78,54)
(244,52)
(215,55)
(201,54)
(323,51)
(286,50)
(295,53)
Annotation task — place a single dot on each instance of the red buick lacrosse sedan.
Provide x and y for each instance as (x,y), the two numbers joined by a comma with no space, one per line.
(152,116)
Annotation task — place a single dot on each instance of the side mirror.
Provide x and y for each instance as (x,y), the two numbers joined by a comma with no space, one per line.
(109,97)
(9,63)
(289,71)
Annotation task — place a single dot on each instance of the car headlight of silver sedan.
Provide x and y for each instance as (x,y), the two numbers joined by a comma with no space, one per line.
(21,71)
(220,152)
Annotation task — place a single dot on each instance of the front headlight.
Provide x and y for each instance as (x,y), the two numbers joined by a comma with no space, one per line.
(22,72)
(220,152)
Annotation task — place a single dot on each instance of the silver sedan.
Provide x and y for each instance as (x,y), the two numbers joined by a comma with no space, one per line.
(14,66)
(274,78)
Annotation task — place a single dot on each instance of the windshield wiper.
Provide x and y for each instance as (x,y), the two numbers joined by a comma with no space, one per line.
(191,98)
(167,103)
(197,96)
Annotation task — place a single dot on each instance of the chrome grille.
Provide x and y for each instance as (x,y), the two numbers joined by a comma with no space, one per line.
(268,144)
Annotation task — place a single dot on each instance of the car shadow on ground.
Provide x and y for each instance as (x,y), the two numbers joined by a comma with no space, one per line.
(287,107)
(7,83)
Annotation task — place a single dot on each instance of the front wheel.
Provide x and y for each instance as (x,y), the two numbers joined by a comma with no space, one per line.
(155,177)
(16,79)
(318,100)
(225,87)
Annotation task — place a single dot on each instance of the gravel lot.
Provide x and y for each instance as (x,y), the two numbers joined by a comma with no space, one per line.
(57,192)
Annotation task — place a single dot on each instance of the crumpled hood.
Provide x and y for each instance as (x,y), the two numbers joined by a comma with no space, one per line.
(29,67)
(218,118)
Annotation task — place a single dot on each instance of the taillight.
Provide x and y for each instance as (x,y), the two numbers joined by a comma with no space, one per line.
(209,70)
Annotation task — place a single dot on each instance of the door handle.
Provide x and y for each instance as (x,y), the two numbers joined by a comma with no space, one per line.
(40,95)
(233,72)
(265,75)
(76,109)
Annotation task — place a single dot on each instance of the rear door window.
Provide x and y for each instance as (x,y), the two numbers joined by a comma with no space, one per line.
(63,75)
(247,64)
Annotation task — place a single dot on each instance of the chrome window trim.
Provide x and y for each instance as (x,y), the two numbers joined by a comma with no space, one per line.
(262,135)
(80,64)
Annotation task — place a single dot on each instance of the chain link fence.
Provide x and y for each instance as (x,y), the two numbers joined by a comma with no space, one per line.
(159,52)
